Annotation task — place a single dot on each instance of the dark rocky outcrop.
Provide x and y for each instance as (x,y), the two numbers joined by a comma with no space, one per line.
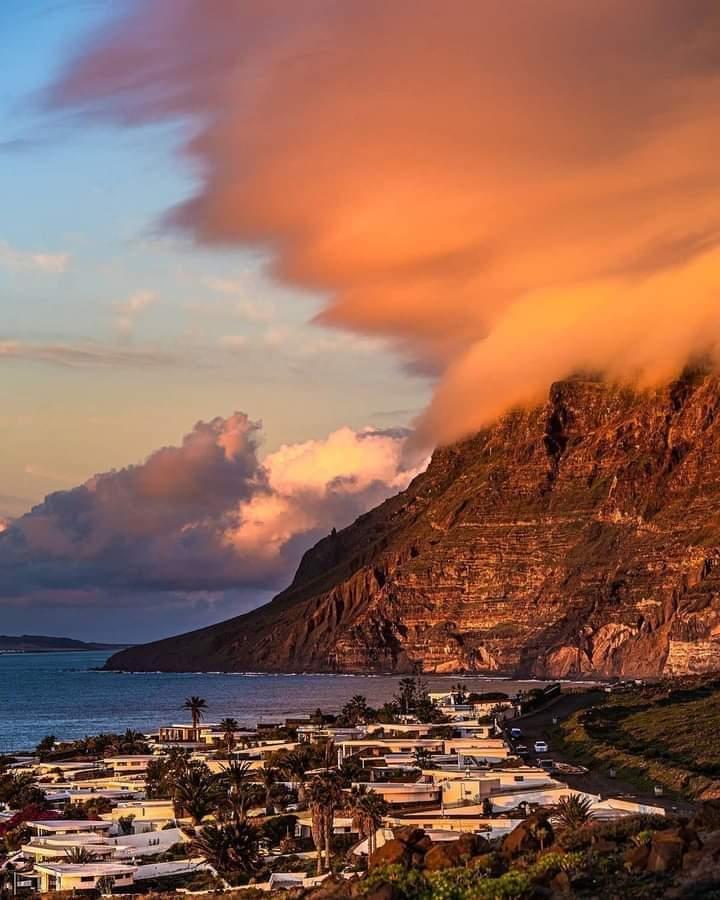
(579,538)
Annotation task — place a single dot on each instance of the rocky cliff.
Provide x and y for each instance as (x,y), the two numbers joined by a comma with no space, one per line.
(582,537)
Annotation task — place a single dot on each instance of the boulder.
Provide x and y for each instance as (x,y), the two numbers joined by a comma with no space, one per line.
(533,833)
(482,844)
(467,845)
(603,846)
(487,863)
(636,858)
(443,855)
(690,837)
(666,851)
(560,884)
(707,817)
(409,834)
(424,844)
(692,859)
(384,891)
(392,853)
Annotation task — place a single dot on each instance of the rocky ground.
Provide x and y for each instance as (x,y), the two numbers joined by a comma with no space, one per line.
(643,857)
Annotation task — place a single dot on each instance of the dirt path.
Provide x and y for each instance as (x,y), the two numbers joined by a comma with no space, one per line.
(539,725)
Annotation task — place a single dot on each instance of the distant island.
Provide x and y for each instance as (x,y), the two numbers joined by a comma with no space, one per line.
(34,643)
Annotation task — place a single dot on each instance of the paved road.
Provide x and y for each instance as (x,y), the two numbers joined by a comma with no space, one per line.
(597,781)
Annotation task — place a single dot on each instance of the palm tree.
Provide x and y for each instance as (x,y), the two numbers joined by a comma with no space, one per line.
(573,812)
(460,693)
(195,792)
(196,706)
(105,885)
(541,829)
(229,727)
(367,809)
(268,776)
(229,847)
(356,710)
(325,795)
(241,792)
(422,757)
(78,856)
(293,766)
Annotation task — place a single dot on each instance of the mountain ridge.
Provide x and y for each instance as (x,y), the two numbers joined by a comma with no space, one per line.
(28,643)
(579,538)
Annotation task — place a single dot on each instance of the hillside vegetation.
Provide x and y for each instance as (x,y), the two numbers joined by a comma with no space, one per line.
(664,734)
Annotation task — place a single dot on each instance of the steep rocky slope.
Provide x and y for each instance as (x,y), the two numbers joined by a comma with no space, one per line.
(580,537)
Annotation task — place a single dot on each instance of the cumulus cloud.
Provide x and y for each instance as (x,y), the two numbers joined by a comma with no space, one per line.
(507,191)
(25,260)
(320,484)
(206,516)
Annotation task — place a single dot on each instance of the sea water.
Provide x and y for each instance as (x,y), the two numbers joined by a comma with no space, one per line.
(66,695)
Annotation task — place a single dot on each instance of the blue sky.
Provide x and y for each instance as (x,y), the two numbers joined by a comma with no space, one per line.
(229,337)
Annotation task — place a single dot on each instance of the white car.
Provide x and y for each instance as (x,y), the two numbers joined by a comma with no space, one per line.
(540,747)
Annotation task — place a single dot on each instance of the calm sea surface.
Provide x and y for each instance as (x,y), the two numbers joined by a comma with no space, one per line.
(61,694)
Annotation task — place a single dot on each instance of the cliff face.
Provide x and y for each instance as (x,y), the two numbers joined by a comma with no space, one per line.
(582,537)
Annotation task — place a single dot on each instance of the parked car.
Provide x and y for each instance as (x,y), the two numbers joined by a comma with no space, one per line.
(522,748)
(516,733)
(540,747)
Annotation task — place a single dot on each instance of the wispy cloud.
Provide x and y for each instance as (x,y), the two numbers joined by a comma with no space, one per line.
(25,260)
(128,310)
(244,308)
(85,354)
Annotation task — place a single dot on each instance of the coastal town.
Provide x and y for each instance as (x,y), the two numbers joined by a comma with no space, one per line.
(435,782)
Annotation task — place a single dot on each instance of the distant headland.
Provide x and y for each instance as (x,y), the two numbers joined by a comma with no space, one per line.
(34,643)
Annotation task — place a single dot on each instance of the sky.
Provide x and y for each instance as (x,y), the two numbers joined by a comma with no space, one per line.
(370,227)
(118,336)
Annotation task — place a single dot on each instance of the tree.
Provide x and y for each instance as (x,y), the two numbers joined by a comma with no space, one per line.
(405,697)
(293,764)
(161,774)
(367,809)
(195,792)
(18,789)
(356,711)
(242,793)
(230,848)
(413,698)
(78,856)
(130,742)
(422,757)
(125,824)
(105,885)
(573,812)
(459,693)
(46,744)
(228,727)
(325,796)
(541,829)
(196,706)
(268,776)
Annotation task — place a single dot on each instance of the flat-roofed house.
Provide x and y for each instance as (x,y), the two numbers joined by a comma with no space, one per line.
(82,877)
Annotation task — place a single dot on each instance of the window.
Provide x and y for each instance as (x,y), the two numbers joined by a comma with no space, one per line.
(87,878)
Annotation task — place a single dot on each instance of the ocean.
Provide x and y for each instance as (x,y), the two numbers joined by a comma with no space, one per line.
(64,694)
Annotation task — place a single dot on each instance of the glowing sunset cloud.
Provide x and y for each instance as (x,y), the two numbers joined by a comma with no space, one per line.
(508,191)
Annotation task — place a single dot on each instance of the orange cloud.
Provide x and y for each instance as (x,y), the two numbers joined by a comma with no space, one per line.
(508,191)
